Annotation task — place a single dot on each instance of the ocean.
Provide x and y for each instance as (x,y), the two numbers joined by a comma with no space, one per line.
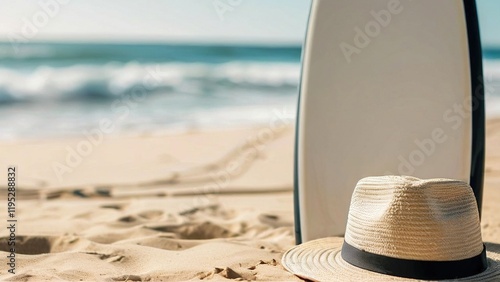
(63,89)
(52,90)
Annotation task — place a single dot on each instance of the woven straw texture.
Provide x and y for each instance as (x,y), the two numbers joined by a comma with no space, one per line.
(401,217)
(405,217)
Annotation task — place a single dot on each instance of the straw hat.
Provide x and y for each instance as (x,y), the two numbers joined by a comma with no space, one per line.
(402,228)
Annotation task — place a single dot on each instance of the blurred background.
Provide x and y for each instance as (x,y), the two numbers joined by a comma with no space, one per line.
(154,66)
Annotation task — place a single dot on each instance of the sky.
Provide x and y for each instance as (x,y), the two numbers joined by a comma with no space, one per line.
(279,21)
(234,21)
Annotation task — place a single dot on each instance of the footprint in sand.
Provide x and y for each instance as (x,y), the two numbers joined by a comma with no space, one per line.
(142,217)
(114,206)
(27,245)
(107,257)
(35,245)
(130,219)
(204,230)
(227,273)
(151,214)
(275,220)
(131,278)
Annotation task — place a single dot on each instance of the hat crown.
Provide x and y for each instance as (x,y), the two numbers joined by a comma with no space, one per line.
(408,218)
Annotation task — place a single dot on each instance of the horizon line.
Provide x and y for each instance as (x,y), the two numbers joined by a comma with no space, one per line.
(245,43)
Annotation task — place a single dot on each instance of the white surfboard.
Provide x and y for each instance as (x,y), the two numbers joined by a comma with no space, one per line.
(388,87)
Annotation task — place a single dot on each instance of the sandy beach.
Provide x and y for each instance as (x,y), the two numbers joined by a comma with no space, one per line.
(200,205)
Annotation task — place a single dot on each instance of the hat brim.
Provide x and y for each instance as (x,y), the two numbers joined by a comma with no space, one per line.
(320,260)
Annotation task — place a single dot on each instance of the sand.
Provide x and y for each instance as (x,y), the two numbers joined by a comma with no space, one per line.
(201,205)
